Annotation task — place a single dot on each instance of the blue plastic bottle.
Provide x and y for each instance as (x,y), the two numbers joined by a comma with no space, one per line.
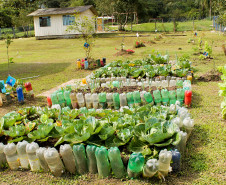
(86,64)
(20,94)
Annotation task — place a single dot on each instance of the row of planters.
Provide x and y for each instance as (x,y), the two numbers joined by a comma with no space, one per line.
(222,91)
(145,130)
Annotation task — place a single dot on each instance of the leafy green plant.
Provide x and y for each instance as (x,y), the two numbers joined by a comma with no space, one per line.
(222,91)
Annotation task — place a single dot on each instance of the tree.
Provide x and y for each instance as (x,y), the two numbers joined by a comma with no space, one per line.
(8,41)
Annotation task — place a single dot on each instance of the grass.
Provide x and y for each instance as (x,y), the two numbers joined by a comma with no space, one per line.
(54,61)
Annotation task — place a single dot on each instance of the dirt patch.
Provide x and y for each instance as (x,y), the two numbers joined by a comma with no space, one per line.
(122,53)
(210,76)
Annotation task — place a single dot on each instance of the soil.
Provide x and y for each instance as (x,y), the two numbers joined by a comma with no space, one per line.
(122,53)
(213,76)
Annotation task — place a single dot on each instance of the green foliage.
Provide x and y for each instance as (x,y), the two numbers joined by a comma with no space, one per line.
(222,91)
(208,48)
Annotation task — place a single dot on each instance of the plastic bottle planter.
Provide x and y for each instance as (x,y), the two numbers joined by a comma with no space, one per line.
(80,159)
(79,64)
(91,158)
(67,97)
(189,77)
(130,99)
(2,156)
(116,84)
(95,100)
(32,158)
(40,154)
(104,61)
(148,98)
(172,97)
(102,100)
(11,156)
(187,85)
(164,162)
(176,158)
(136,97)
(29,89)
(103,165)
(98,62)
(157,97)
(86,64)
(88,99)
(188,124)
(164,84)
(123,100)
(187,100)
(165,96)
(1,102)
(180,95)
(177,121)
(179,83)
(81,101)
(20,94)
(54,98)
(135,165)
(151,168)
(142,97)
(182,144)
(109,97)
(68,158)
(172,83)
(116,162)
(116,101)
(54,162)
(21,150)
(49,102)
(74,101)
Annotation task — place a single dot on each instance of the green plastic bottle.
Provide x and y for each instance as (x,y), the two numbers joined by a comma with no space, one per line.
(135,165)
(130,99)
(80,159)
(136,97)
(180,95)
(67,98)
(165,96)
(91,158)
(157,97)
(54,98)
(148,98)
(116,101)
(103,164)
(102,100)
(172,97)
(60,97)
(116,162)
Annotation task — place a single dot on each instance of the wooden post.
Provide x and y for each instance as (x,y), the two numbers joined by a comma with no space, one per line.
(193,24)
(155,25)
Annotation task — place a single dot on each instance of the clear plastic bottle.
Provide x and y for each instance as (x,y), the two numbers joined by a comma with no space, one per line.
(165,96)
(54,162)
(88,98)
(116,101)
(135,165)
(91,158)
(164,162)
(179,83)
(164,84)
(109,97)
(148,98)
(180,95)
(95,100)
(136,97)
(103,164)
(54,98)
(157,97)
(21,150)
(177,121)
(68,158)
(130,99)
(142,97)
(2,155)
(116,162)
(32,158)
(67,97)
(1,102)
(188,124)
(81,101)
(182,144)
(172,83)
(123,100)
(11,156)
(74,101)
(40,154)
(80,159)
(102,100)
(151,168)
(172,97)
(176,158)
(60,97)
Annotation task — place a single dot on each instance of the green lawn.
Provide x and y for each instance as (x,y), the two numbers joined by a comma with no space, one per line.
(54,61)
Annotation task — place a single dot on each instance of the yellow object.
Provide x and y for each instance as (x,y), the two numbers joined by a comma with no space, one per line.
(189,77)
(84,81)
(1,103)
(78,64)
(131,65)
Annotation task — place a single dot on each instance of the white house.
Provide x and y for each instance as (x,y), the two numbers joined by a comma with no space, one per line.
(53,22)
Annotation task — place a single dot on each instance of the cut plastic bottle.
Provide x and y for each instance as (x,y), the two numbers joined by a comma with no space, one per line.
(91,158)
(103,164)
(32,158)
(172,97)
(40,154)
(68,158)
(164,162)
(81,101)
(116,162)
(21,150)
(135,165)
(54,98)
(67,97)
(123,100)
(2,156)
(54,162)
(180,95)
(116,101)
(182,144)
(60,97)
(88,99)
(130,99)
(157,97)
(165,96)
(136,97)
(95,100)
(103,100)
(188,124)
(109,97)
(80,159)
(148,98)
(11,156)
(74,101)
(176,158)
(151,168)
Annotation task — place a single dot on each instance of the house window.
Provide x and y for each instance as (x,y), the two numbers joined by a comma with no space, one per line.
(68,19)
(44,21)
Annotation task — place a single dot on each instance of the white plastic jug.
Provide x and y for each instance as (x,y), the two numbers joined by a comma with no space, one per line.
(2,155)
(164,162)
(21,150)
(11,156)
(54,162)
(42,161)
(151,168)
(68,158)
(32,158)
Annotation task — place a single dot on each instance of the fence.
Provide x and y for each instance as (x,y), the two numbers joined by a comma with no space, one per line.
(218,27)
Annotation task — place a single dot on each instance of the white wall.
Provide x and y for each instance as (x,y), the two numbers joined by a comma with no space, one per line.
(57,27)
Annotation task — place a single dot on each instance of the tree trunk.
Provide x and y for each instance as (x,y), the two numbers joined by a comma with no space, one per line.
(14,35)
(174,25)
(210,9)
